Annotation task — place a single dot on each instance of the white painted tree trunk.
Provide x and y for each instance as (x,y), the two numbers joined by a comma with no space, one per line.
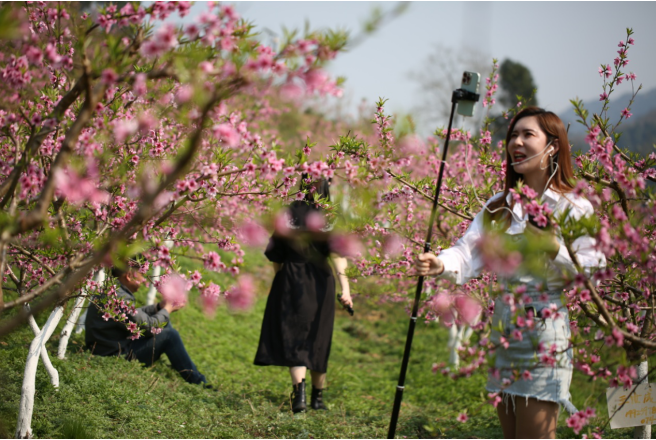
(156,272)
(79,327)
(70,323)
(642,431)
(152,291)
(26,407)
(75,316)
(50,369)
(454,359)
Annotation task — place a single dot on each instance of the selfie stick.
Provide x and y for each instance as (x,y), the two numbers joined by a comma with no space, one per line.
(458,95)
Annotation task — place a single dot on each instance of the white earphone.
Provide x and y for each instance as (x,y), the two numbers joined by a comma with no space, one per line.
(541,153)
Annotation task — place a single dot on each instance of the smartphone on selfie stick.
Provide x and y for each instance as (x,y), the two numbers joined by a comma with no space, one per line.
(470,84)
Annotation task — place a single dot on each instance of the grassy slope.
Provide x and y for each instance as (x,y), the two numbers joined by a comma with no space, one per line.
(110,398)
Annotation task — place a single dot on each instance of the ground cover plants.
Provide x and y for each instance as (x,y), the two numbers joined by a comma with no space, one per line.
(110,398)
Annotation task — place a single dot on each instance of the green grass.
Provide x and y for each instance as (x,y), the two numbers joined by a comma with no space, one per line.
(108,397)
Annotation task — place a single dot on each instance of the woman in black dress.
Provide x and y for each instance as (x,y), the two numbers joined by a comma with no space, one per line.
(298,320)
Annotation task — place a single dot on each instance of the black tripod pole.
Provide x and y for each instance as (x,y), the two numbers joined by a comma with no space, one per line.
(457,95)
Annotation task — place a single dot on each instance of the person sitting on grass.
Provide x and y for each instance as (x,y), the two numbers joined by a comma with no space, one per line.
(107,337)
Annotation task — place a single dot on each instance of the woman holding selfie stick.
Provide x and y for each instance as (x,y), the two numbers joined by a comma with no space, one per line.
(297,328)
(538,154)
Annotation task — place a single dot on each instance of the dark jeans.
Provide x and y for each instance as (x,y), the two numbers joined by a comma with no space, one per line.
(149,350)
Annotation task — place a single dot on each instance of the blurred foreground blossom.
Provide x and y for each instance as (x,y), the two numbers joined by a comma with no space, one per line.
(496,258)
(393,245)
(345,245)
(174,289)
(253,234)
(315,221)
(468,309)
(210,298)
(451,308)
(227,135)
(78,190)
(281,222)
(242,295)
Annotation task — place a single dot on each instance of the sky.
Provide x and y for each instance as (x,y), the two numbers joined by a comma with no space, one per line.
(562,43)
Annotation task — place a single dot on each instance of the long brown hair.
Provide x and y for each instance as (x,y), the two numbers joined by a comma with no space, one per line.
(563,180)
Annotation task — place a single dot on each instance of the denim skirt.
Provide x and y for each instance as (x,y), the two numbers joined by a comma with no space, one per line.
(536,364)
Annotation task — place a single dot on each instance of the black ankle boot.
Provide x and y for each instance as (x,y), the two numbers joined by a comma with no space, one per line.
(299,401)
(317,399)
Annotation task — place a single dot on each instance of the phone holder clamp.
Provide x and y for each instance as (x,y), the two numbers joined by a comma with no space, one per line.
(464,95)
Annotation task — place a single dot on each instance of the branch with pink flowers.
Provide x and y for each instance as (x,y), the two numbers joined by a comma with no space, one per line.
(606,320)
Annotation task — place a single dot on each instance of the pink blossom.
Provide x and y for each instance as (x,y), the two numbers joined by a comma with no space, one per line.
(605,70)
(184,94)
(585,296)
(108,77)
(291,92)
(213,261)
(139,85)
(626,113)
(253,234)
(146,122)
(227,134)
(34,55)
(281,222)
(174,289)
(618,337)
(495,399)
(315,79)
(210,298)
(196,277)
(462,417)
(412,144)
(440,303)
(242,296)
(603,96)
(78,190)
(124,129)
(191,31)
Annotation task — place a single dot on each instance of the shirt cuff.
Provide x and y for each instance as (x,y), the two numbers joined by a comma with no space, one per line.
(563,261)
(451,271)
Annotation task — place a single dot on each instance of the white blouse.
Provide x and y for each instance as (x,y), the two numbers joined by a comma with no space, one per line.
(463,262)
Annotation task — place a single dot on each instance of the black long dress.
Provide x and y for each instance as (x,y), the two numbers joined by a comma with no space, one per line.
(297,328)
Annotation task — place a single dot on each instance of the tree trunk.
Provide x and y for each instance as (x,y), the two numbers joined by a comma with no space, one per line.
(75,316)
(79,328)
(453,344)
(26,407)
(643,370)
(50,369)
(152,291)
(157,271)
